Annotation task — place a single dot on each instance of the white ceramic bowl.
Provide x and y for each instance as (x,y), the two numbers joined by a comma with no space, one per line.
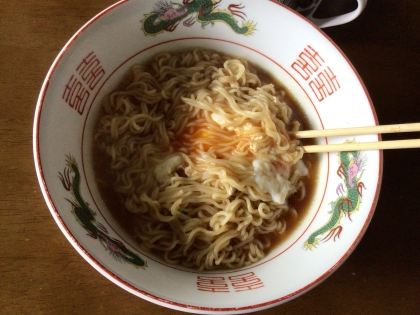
(278,40)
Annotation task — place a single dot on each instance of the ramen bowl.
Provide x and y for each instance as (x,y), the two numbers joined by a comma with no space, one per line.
(282,43)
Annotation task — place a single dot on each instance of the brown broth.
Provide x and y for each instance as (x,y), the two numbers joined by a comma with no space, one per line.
(104,179)
(126,220)
(311,161)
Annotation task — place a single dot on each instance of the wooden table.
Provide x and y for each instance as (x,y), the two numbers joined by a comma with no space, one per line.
(41,273)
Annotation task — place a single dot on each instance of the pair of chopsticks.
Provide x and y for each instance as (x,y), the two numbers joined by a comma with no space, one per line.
(381,145)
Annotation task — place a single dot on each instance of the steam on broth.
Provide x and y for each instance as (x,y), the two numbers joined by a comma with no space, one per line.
(193,157)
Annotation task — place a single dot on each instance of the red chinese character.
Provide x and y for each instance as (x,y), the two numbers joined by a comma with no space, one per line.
(308,62)
(318,87)
(248,281)
(212,284)
(90,70)
(69,88)
(332,79)
(324,84)
(85,64)
(75,95)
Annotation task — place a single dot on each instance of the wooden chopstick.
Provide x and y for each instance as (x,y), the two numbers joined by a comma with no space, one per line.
(381,145)
(356,131)
(363,146)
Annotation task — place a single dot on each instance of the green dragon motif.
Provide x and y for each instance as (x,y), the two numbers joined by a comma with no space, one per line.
(350,196)
(166,16)
(86,217)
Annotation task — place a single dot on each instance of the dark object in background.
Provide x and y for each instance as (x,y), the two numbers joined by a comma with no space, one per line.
(326,9)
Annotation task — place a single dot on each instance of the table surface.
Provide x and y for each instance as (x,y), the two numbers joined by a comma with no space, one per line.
(41,273)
